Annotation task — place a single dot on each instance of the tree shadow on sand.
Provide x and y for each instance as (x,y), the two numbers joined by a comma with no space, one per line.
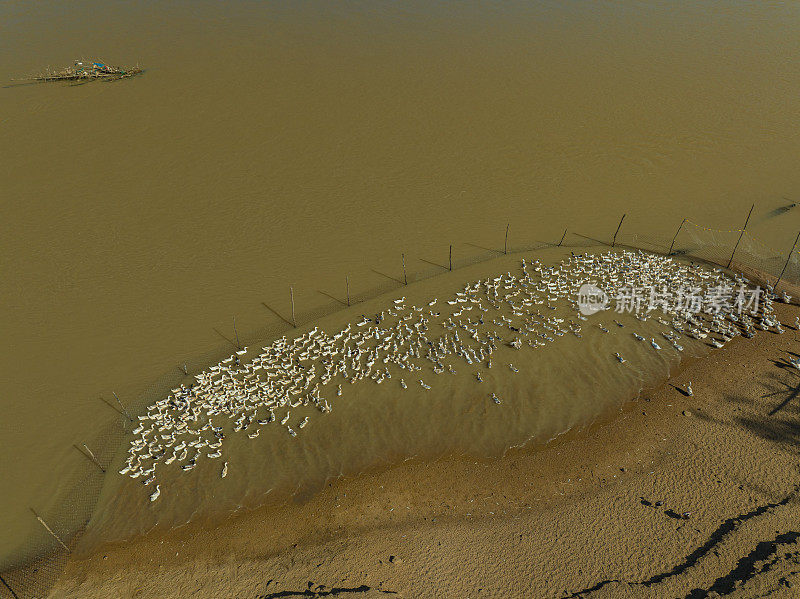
(775,415)
(785,392)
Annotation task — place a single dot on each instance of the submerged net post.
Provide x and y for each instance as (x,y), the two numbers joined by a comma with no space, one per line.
(10,590)
(672,245)
(788,258)
(291,297)
(505,245)
(451,256)
(405,278)
(614,240)
(562,238)
(747,220)
(124,410)
(347,284)
(91,457)
(50,530)
(236,334)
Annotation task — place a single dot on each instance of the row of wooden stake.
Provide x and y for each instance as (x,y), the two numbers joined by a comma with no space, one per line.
(123,410)
(613,244)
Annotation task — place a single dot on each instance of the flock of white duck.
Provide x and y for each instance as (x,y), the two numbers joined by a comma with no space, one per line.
(487,319)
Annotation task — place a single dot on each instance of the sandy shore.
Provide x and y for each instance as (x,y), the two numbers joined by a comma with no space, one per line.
(673,496)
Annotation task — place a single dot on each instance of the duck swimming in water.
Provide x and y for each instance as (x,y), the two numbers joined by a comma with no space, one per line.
(294,372)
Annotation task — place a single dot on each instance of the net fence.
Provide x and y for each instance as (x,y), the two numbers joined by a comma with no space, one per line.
(32,576)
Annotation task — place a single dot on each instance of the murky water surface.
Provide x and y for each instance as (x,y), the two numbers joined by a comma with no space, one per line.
(297,143)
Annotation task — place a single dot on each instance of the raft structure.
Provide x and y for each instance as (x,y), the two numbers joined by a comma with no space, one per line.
(85,71)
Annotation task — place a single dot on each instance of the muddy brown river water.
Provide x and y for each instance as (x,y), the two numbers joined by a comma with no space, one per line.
(297,143)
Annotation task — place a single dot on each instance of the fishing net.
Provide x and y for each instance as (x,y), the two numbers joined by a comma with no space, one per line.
(34,575)
(740,250)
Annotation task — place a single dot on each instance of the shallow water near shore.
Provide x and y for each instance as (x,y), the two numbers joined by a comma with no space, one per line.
(294,144)
(545,391)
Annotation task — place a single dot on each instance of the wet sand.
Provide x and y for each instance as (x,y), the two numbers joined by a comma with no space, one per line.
(670,496)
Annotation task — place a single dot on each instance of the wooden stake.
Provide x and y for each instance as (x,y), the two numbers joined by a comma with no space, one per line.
(405,278)
(124,411)
(562,238)
(451,257)
(347,282)
(741,235)
(614,241)
(91,456)
(291,295)
(505,245)
(5,584)
(672,245)
(50,530)
(236,334)
(94,457)
(789,257)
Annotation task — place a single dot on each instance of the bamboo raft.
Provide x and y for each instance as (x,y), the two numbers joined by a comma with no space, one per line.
(86,71)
